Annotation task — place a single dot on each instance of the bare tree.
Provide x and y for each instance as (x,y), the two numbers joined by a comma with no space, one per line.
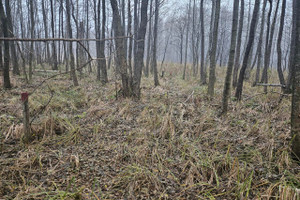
(155,30)
(186,40)
(32,21)
(226,92)
(295,119)
(259,45)
(238,46)
(140,49)
(13,50)
(279,53)
(239,89)
(202,68)
(54,54)
(72,59)
(6,77)
(120,49)
(212,67)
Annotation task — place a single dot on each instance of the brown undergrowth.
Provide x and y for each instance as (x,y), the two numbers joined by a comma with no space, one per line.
(172,144)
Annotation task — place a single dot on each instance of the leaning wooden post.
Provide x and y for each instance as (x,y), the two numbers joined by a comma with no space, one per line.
(26,125)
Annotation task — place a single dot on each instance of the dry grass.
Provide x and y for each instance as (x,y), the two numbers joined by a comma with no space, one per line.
(170,145)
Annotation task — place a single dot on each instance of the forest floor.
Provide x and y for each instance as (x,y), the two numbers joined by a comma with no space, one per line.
(172,144)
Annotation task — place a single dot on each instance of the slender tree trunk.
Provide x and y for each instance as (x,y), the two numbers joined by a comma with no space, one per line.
(120,49)
(226,92)
(212,67)
(149,41)
(279,53)
(239,89)
(269,48)
(238,46)
(154,58)
(210,32)
(292,51)
(98,36)
(72,59)
(103,77)
(202,68)
(13,50)
(295,119)
(186,41)
(129,33)
(45,20)
(32,37)
(140,49)
(54,54)
(259,45)
(6,77)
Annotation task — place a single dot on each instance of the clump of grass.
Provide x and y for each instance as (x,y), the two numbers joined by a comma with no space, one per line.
(172,144)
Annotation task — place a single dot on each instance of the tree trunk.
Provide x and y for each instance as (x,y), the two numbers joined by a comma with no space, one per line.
(13,50)
(120,49)
(295,116)
(129,33)
(239,89)
(202,68)
(149,40)
(54,55)
(269,49)
(259,45)
(103,76)
(72,59)
(279,53)
(32,37)
(45,20)
(155,30)
(238,46)
(140,49)
(212,67)
(292,51)
(186,41)
(6,77)
(226,92)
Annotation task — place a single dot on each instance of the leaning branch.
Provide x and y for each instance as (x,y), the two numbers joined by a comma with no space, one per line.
(61,39)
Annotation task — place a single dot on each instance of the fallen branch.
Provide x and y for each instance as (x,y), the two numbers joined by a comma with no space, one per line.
(61,39)
(189,97)
(251,97)
(270,85)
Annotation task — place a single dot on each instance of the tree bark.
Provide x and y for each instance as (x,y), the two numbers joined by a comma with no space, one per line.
(226,92)
(54,55)
(279,53)
(32,37)
(186,41)
(140,49)
(212,67)
(72,59)
(292,51)
(259,45)
(13,50)
(238,46)
(202,68)
(155,30)
(120,49)
(103,75)
(239,89)
(6,77)
(149,40)
(295,116)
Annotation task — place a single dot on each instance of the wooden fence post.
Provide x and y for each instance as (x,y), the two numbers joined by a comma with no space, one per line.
(26,126)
